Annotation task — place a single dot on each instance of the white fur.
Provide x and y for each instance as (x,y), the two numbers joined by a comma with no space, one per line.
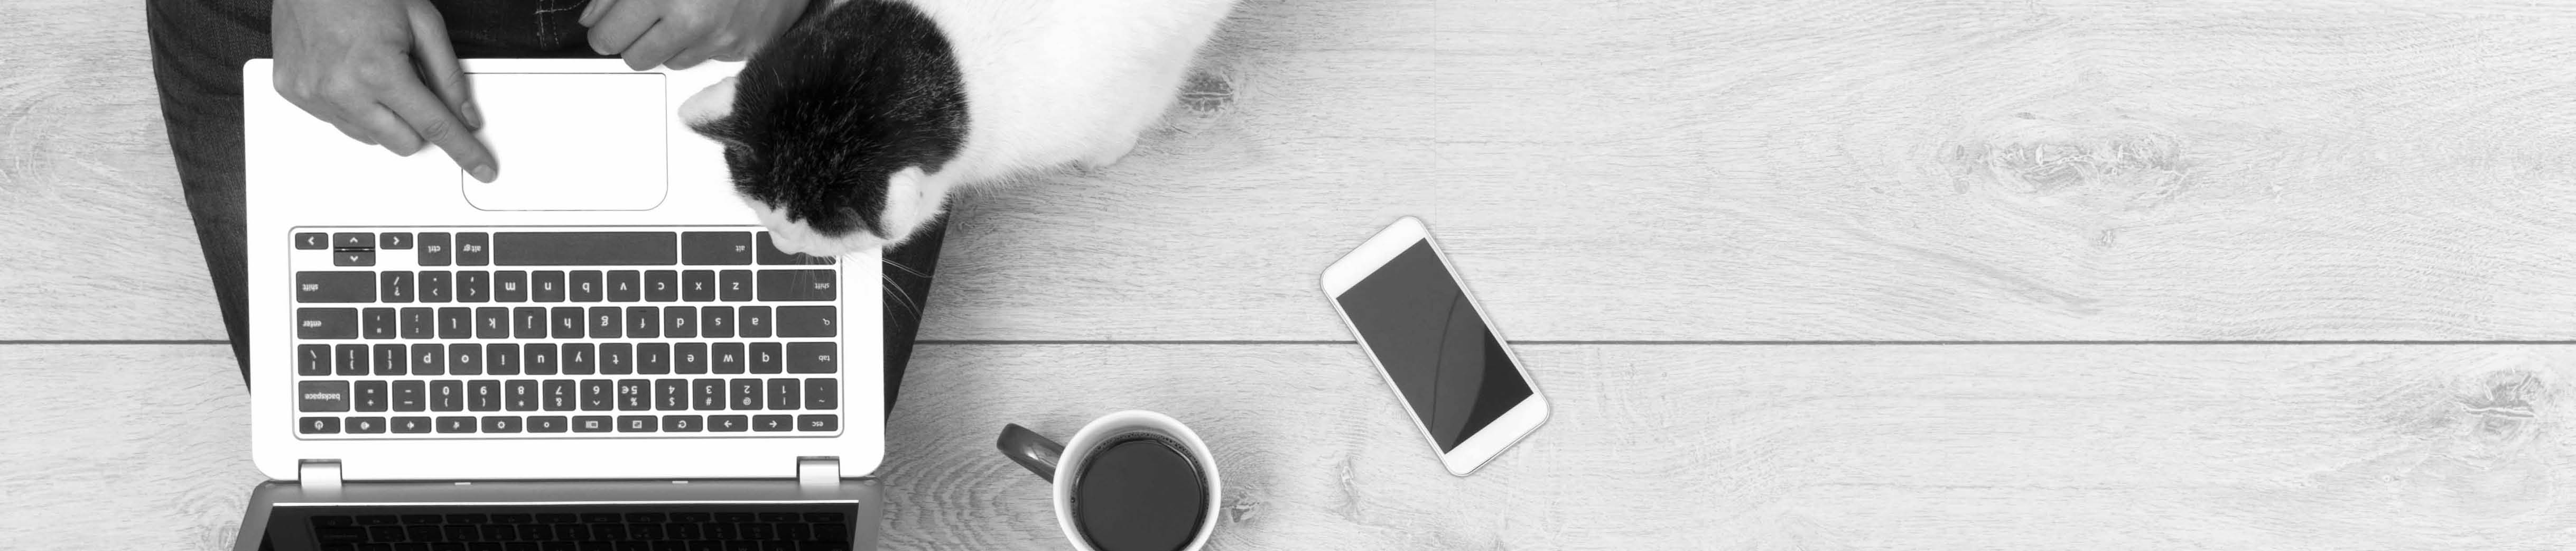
(1049,83)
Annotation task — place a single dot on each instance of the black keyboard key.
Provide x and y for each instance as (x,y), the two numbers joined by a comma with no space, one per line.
(434,249)
(755,322)
(707,394)
(822,394)
(671,394)
(568,323)
(616,358)
(342,257)
(585,248)
(452,425)
(411,396)
(769,254)
(758,531)
(812,357)
(634,395)
(313,360)
(728,423)
(396,240)
(322,396)
(456,322)
(806,321)
(661,286)
(436,286)
(388,360)
(680,322)
(585,286)
(643,322)
(547,423)
(625,286)
(366,425)
(823,516)
(796,285)
(746,394)
(580,358)
(636,423)
(349,360)
(715,248)
(794,531)
(818,422)
(411,425)
(733,517)
(492,323)
(783,394)
(353,240)
(558,395)
(473,248)
(728,358)
(716,322)
(312,241)
(428,359)
(549,285)
(689,358)
(368,396)
(540,360)
(766,357)
(734,286)
(465,359)
(723,530)
(598,395)
(653,358)
(395,286)
(447,395)
(376,323)
(501,359)
(528,322)
(339,535)
(593,423)
(419,323)
(698,286)
(605,322)
(326,323)
(521,395)
(500,424)
(510,286)
(473,285)
(685,530)
(483,395)
(682,423)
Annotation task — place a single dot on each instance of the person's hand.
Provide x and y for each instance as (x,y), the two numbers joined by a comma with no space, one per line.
(684,33)
(360,65)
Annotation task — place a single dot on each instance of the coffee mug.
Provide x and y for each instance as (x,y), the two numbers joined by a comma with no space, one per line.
(1129,481)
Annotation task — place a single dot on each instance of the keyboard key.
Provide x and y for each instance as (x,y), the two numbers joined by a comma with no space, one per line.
(682,423)
(728,423)
(419,323)
(465,359)
(547,423)
(593,423)
(773,423)
(689,358)
(818,422)
(483,395)
(586,286)
(783,394)
(500,424)
(349,360)
(680,322)
(396,240)
(766,357)
(568,323)
(643,322)
(796,285)
(698,286)
(625,286)
(811,357)
(716,322)
(353,240)
(661,286)
(510,286)
(616,358)
(434,249)
(428,359)
(435,286)
(671,394)
(728,357)
(388,360)
(528,322)
(326,323)
(604,322)
(492,323)
(501,359)
(521,395)
(368,396)
(313,360)
(746,394)
(473,285)
(376,323)
(411,425)
(321,396)
(580,359)
(558,395)
(312,241)
(598,394)
(635,423)
(394,286)
(653,358)
(634,395)
(707,394)
(734,286)
(319,425)
(770,255)
(638,248)
(540,359)
(549,285)
(456,323)
(334,287)
(715,248)
(822,394)
(456,425)
(447,395)
(806,321)
(366,425)
(473,248)
(755,322)
(410,396)
(353,258)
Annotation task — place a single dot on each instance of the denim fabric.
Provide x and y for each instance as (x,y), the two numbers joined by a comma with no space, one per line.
(198,47)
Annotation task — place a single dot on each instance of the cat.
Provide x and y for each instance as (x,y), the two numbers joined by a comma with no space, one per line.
(851,130)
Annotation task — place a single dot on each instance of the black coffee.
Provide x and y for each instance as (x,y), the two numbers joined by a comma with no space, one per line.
(1139,492)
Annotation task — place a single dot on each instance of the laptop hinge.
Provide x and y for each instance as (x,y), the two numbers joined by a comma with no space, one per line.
(818,473)
(319,475)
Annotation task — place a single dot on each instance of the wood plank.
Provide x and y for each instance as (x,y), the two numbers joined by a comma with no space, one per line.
(95,239)
(1824,446)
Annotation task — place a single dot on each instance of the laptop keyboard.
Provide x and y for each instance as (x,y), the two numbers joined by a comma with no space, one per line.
(572,529)
(562,333)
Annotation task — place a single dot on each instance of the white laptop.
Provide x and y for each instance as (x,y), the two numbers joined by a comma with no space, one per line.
(599,350)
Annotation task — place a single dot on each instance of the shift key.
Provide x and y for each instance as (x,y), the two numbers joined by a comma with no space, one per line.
(796,285)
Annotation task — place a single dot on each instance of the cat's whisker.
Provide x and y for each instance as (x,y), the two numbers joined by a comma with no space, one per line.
(906,269)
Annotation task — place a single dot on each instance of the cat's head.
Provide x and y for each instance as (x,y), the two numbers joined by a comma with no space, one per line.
(837,141)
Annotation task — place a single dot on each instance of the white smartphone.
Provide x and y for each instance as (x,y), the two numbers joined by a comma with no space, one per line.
(1457,379)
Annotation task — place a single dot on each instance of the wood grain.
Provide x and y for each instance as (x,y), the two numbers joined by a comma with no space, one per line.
(123,447)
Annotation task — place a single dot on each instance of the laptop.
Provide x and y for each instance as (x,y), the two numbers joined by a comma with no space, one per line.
(598,350)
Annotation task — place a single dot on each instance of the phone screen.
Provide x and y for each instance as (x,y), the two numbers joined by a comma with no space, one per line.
(1434,345)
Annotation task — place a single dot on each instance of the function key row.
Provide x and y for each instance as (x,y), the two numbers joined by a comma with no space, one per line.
(819,394)
(565,322)
(613,358)
(604,248)
(433,286)
(512,424)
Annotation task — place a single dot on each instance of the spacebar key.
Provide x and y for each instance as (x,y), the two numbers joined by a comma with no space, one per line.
(603,248)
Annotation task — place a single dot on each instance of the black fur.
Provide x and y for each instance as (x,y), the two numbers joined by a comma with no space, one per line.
(825,113)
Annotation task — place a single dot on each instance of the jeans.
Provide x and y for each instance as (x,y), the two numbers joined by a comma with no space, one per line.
(198,47)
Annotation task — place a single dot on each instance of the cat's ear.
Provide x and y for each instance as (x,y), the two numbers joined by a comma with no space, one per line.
(706,111)
(912,199)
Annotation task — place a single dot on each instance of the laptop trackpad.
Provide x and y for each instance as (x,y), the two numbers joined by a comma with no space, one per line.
(583,141)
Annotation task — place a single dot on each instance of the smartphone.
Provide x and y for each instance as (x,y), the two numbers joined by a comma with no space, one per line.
(1457,379)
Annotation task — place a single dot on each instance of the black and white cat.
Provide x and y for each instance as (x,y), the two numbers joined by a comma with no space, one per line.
(850,131)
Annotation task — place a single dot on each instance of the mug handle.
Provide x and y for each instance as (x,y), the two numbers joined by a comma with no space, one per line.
(1030,450)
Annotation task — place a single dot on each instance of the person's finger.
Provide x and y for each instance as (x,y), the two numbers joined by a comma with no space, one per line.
(590,13)
(438,65)
(352,132)
(422,111)
(387,130)
(619,26)
(657,46)
(691,57)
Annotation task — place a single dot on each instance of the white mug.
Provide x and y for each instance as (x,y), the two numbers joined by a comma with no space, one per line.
(1062,464)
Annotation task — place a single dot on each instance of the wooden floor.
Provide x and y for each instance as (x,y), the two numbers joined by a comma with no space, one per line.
(1886,274)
